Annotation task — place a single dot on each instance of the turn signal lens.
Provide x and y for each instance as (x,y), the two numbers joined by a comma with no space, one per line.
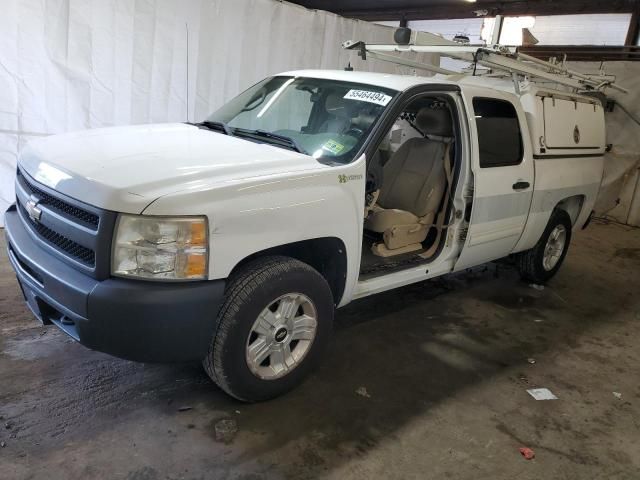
(196,265)
(199,233)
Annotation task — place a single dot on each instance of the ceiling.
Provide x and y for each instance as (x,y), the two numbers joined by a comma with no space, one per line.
(441,9)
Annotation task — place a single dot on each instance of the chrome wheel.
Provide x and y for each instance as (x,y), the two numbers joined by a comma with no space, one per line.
(554,247)
(281,336)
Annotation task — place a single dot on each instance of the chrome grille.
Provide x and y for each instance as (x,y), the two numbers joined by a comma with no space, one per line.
(73,249)
(58,205)
(78,233)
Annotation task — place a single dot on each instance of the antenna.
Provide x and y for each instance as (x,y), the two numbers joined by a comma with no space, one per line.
(186,25)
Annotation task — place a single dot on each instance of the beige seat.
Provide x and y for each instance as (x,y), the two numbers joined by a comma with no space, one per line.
(413,187)
(339,116)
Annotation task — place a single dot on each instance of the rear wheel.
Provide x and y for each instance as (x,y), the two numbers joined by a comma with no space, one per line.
(273,327)
(544,260)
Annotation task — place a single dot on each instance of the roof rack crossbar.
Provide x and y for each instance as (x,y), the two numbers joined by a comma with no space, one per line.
(498,58)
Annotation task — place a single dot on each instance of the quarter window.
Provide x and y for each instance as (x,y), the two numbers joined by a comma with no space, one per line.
(499,135)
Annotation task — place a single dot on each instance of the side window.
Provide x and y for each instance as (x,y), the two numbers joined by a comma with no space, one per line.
(499,136)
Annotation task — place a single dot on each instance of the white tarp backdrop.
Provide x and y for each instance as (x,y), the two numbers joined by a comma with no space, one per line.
(75,64)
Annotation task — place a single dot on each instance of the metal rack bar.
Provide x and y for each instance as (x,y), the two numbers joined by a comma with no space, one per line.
(498,58)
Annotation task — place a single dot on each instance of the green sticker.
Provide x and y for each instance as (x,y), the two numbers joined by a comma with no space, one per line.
(333,147)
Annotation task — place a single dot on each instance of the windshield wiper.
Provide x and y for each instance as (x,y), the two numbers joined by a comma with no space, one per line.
(288,141)
(211,125)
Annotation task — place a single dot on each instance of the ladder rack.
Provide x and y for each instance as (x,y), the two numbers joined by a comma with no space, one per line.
(497,58)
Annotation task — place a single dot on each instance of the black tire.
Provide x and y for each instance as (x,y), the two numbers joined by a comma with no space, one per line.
(249,291)
(530,263)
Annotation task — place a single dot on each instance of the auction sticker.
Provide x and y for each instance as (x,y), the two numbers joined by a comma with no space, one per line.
(367,96)
(333,147)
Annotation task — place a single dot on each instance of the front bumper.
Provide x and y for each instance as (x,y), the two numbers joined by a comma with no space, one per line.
(136,320)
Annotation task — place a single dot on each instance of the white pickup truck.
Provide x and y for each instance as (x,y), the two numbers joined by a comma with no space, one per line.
(233,240)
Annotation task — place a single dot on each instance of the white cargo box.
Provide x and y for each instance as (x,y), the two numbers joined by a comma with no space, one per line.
(565,125)
(572,124)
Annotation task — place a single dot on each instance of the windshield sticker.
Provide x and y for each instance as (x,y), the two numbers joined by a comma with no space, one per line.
(366,96)
(333,147)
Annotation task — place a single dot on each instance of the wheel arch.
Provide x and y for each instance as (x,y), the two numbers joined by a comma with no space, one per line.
(530,262)
(573,206)
(328,255)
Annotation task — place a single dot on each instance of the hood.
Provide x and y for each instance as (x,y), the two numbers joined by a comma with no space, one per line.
(126,168)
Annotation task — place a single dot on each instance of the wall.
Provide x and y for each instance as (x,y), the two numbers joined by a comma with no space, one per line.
(622,166)
(76,64)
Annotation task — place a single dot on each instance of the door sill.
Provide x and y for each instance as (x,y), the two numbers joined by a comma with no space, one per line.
(389,281)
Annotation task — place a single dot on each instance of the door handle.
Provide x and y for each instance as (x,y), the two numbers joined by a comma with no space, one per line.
(521,186)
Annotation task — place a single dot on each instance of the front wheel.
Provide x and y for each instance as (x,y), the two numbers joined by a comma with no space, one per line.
(544,260)
(273,326)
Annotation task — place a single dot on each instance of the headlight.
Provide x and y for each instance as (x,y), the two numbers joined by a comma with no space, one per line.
(163,248)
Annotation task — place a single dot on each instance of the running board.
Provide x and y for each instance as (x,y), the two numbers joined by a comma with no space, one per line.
(382,283)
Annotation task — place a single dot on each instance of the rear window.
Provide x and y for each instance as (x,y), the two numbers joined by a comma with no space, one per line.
(499,136)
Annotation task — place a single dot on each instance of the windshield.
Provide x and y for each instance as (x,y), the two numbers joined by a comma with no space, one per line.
(327,119)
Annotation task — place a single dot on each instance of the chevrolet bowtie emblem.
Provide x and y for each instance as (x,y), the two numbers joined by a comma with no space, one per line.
(32,209)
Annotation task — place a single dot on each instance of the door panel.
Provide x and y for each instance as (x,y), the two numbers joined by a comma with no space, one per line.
(503,173)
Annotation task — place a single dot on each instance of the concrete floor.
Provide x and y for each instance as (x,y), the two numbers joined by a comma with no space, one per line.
(445,365)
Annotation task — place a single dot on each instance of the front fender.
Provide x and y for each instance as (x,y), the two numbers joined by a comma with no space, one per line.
(252,215)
